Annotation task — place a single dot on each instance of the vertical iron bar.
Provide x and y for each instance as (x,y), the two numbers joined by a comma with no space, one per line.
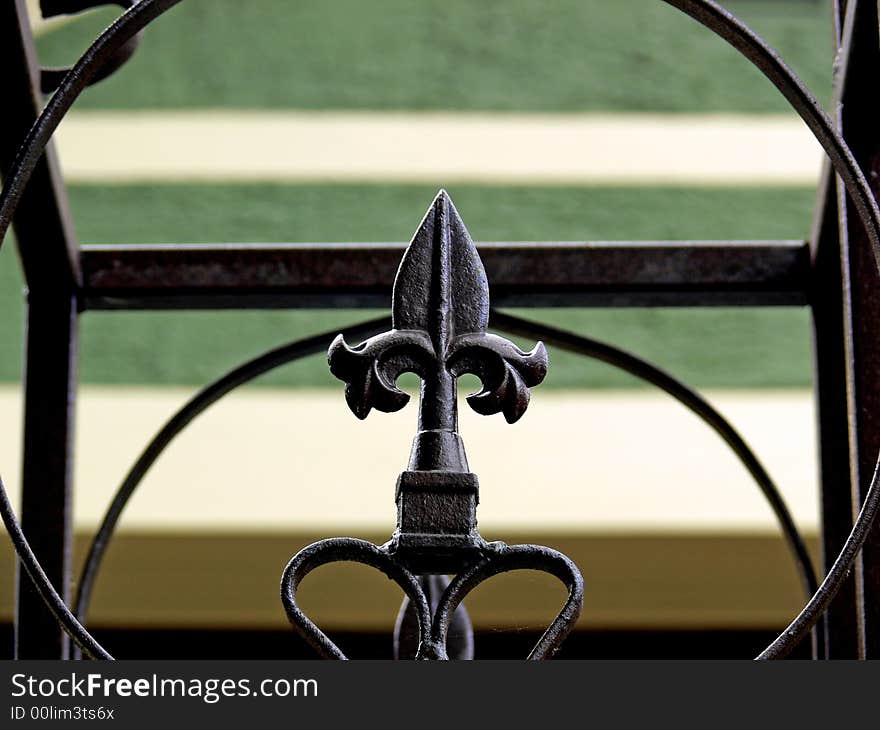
(830,334)
(43,228)
(855,110)
(49,255)
(839,623)
(50,371)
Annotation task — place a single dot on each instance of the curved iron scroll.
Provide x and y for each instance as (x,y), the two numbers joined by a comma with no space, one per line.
(690,399)
(706,12)
(199,403)
(694,402)
(290,352)
(77,632)
(287,353)
(51,77)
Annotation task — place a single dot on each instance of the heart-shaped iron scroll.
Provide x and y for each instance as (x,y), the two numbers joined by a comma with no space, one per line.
(499,558)
(338,550)
(506,558)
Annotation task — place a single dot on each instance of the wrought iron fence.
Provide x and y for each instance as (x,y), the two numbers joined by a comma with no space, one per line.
(438,329)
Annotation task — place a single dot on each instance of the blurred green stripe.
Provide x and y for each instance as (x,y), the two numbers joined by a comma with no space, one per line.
(188,213)
(520,55)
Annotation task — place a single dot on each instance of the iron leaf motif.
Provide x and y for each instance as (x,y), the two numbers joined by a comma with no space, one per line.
(506,372)
(370,370)
(440,316)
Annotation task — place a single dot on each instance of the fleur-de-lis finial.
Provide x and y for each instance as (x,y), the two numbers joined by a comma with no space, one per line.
(440,315)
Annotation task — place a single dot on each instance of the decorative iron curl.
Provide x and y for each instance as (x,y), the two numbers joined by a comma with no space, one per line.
(371,369)
(505,371)
(51,77)
(498,558)
(96,57)
(709,14)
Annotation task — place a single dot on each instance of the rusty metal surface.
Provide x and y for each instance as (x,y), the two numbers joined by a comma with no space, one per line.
(639,273)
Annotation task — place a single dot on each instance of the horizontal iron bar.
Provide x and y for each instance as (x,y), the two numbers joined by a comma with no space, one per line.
(591,274)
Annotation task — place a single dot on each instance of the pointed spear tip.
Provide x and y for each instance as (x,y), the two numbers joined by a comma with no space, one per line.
(442,199)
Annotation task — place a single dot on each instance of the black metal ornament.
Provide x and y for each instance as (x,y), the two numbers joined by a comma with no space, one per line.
(440,314)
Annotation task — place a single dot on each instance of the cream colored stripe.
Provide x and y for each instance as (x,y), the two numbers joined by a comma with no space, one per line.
(438,148)
(270,459)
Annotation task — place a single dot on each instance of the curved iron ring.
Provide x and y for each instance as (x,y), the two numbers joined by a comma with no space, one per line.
(706,12)
(80,635)
(301,348)
(73,624)
(187,413)
(695,403)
